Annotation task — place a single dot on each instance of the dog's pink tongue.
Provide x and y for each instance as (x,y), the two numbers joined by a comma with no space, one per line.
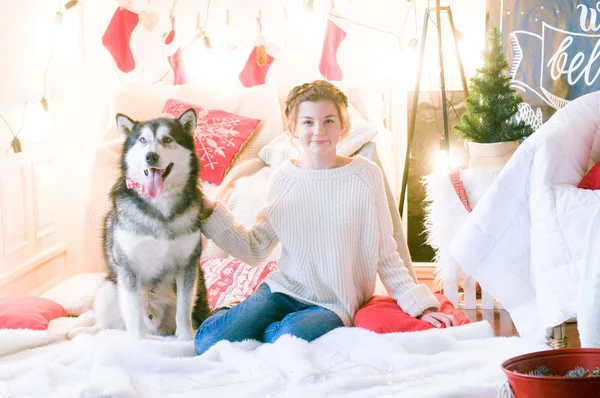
(155,183)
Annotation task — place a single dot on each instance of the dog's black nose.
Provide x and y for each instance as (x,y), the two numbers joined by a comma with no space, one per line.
(152,158)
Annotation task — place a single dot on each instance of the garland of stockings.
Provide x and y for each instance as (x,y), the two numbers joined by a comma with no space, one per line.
(117,38)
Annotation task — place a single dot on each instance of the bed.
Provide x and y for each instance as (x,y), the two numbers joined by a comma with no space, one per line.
(351,362)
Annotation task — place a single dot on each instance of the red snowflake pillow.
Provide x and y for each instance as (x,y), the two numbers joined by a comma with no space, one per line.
(229,280)
(219,137)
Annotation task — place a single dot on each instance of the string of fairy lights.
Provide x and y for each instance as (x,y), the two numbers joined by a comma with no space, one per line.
(201,33)
(15,142)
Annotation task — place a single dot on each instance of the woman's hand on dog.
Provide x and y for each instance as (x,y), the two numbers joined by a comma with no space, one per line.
(207,207)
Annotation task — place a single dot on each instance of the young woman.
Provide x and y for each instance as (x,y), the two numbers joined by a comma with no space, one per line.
(331,216)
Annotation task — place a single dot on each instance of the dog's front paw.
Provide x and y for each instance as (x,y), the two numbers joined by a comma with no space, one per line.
(184,334)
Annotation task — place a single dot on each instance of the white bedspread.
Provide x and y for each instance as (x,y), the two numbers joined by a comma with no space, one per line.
(524,240)
(347,362)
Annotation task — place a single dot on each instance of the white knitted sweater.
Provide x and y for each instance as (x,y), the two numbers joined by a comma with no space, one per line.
(336,234)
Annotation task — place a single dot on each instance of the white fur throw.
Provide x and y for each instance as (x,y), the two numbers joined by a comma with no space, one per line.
(463,361)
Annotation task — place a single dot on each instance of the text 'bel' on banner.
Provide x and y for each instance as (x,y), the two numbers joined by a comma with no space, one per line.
(553,50)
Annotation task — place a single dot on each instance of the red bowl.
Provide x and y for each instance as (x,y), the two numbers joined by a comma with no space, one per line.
(559,362)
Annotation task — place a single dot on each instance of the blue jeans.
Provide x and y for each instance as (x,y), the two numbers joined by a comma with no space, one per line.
(265,316)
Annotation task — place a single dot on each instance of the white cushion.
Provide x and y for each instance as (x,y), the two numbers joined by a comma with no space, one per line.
(77,293)
(278,150)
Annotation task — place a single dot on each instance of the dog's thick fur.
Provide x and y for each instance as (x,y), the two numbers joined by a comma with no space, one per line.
(152,239)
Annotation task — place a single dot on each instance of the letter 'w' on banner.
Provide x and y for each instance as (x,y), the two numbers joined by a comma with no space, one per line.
(553,48)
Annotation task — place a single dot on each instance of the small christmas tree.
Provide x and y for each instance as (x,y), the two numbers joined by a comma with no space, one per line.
(492,104)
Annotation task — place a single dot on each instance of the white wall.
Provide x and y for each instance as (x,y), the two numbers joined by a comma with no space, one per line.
(40,187)
(82,74)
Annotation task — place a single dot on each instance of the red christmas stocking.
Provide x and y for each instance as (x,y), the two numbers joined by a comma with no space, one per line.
(174,56)
(116,38)
(329,67)
(259,61)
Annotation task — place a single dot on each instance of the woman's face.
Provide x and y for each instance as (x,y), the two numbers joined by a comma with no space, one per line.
(318,128)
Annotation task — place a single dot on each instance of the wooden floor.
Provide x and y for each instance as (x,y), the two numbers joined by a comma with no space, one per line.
(503,325)
(499,319)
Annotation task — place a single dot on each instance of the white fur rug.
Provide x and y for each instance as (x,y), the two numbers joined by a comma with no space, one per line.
(348,362)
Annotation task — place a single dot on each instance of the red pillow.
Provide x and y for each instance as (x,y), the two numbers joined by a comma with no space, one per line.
(229,280)
(218,138)
(28,312)
(592,179)
(381,314)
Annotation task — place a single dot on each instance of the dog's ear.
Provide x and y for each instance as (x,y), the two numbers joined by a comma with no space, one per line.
(188,121)
(125,125)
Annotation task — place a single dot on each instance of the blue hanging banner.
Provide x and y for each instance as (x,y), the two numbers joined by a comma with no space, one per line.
(553,50)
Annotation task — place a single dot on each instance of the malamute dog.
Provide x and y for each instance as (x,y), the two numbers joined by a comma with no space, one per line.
(152,237)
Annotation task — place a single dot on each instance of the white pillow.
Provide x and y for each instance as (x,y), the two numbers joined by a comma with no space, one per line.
(360,133)
(366,100)
(77,293)
(281,148)
(278,150)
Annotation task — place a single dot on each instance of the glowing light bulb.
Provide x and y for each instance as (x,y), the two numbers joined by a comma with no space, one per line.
(309,5)
(207,42)
(441,160)
(59,18)
(44,104)
(412,44)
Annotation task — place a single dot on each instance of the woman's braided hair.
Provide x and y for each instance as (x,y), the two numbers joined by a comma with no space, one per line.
(316,91)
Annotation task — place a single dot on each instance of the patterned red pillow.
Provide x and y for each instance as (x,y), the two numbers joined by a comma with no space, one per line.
(218,139)
(381,314)
(229,280)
